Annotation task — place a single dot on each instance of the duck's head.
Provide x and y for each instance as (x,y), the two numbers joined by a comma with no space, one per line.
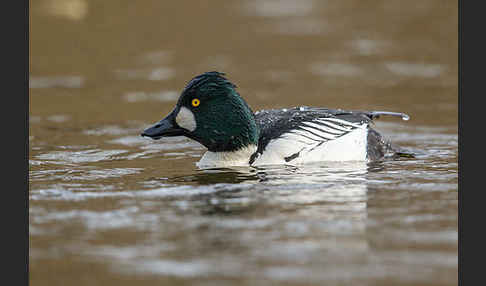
(211,112)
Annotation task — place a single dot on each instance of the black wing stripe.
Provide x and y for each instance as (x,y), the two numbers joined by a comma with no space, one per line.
(332,126)
(323,135)
(303,135)
(293,156)
(304,142)
(323,129)
(341,122)
(310,132)
(316,146)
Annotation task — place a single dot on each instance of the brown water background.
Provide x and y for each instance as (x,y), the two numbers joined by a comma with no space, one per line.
(107,207)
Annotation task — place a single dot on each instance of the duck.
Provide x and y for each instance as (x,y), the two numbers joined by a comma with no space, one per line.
(211,112)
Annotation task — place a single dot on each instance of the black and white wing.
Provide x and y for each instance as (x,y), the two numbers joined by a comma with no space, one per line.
(297,131)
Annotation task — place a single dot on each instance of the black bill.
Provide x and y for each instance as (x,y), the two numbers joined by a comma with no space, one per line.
(164,128)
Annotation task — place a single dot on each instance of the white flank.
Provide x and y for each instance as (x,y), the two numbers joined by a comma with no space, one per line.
(226,159)
(185,119)
(349,147)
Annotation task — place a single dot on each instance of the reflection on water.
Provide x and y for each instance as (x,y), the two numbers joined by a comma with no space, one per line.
(107,206)
(195,224)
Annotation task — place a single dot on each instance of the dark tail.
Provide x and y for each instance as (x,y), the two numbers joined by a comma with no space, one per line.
(379,148)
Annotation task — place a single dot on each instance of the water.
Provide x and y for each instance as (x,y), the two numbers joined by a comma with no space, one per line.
(108,207)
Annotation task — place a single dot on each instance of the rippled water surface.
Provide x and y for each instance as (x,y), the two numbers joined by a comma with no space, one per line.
(108,207)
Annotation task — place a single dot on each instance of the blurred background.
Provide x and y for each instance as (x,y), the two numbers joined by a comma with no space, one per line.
(130,59)
(101,71)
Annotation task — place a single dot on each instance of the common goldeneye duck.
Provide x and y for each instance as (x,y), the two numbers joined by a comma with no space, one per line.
(211,111)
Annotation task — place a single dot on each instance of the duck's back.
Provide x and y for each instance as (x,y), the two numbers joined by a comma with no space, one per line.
(308,134)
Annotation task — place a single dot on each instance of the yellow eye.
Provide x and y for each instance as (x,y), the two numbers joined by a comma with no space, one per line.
(195,102)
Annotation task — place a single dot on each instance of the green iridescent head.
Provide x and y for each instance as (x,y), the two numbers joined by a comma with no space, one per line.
(211,112)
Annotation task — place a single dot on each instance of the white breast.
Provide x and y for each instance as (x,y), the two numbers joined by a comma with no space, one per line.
(226,159)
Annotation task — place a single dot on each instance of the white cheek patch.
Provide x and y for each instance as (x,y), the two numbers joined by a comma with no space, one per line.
(185,119)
